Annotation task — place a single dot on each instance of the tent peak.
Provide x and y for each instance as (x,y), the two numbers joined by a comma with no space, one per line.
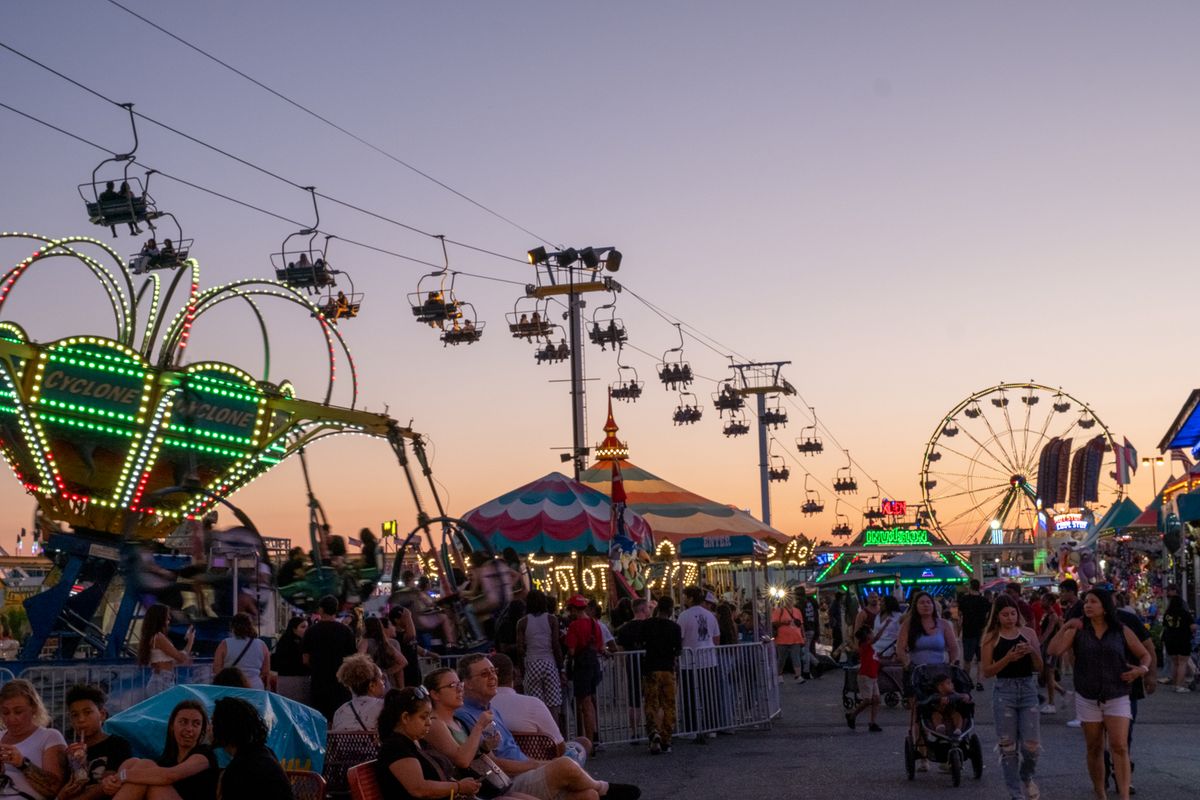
(611,449)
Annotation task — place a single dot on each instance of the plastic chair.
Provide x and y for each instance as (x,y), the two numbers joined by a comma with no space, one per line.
(363,785)
(537,746)
(306,785)
(343,751)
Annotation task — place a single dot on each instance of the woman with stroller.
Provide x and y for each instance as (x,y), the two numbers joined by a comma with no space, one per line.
(1011,654)
(924,638)
(1102,683)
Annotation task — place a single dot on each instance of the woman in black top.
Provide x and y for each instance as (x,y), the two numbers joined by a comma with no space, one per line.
(186,770)
(1177,630)
(405,769)
(1011,654)
(254,772)
(1102,683)
(292,677)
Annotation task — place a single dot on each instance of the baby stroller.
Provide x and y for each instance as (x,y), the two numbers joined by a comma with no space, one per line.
(891,677)
(944,744)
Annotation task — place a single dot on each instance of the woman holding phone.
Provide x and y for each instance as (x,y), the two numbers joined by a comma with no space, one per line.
(156,651)
(1011,654)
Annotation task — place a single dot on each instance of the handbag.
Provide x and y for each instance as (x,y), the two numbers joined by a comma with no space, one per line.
(494,779)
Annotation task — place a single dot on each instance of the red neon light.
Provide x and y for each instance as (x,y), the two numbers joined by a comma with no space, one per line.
(895,508)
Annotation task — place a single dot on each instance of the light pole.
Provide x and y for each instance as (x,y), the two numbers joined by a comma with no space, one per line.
(1153,461)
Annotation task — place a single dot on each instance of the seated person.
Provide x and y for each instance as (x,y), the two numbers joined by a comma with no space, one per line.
(303,262)
(563,350)
(94,754)
(231,677)
(253,772)
(366,683)
(947,706)
(524,713)
(126,194)
(110,193)
(546,780)
(31,753)
(186,770)
(405,768)
(149,255)
(342,305)
(469,327)
(167,256)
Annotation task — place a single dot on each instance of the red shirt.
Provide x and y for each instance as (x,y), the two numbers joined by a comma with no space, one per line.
(583,633)
(868,664)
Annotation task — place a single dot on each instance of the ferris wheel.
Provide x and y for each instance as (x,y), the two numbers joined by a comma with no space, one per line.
(1009,451)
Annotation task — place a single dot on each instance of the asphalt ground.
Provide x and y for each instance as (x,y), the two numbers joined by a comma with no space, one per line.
(810,753)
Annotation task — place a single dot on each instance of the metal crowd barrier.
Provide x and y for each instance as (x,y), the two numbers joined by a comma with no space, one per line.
(126,684)
(722,688)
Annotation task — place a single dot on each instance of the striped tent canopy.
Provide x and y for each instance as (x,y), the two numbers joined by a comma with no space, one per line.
(675,513)
(553,514)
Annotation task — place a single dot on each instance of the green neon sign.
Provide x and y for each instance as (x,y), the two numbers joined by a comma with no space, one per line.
(895,537)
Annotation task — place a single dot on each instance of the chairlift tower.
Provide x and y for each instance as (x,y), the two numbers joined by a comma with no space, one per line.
(572,274)
(762,379)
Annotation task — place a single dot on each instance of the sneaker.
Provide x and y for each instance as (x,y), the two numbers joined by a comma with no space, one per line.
(873,728)
(655,744)
(800,679)
(623,791)
(1031,791)
(711,735)
(1074,723)
(1048,709)
(1181,690)
(922,765)
(850,721)
(667,748)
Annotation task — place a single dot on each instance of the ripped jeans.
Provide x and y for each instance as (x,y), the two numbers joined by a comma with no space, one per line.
(1015,708)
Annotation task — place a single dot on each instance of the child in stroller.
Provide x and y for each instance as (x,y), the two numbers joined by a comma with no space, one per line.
(944,721)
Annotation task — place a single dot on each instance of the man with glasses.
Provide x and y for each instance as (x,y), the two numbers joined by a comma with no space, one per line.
(542,779)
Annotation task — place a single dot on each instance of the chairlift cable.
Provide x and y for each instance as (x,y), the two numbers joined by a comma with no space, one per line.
(256,167)
(332,124)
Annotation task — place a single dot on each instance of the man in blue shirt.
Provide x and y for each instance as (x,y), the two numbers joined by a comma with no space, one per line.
(541,779)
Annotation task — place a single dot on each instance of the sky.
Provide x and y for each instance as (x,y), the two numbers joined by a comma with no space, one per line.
(909,202)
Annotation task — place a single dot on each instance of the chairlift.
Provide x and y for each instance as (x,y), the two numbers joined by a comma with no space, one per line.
(464,328)
(728,399)
(551,353)
(845,482)
(737,425)
(339,305)
(774,416)
(874,512)
(626,387)
(688,412)
(1000,400)
(813,504)
(128,204)
(973,411)
(605,328)
(305,267)
(950,428)
(1061,403)
(167,254)
(809,442)
(777,470)
(434,303)
(673,371)
(841,526)
(530,319)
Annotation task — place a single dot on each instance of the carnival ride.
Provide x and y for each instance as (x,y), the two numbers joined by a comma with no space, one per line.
(809,442)
(626,387)
(845,482)
(991,466)
(119,438)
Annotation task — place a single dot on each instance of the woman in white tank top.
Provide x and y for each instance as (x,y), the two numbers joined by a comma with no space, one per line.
(245,652)
(538,644)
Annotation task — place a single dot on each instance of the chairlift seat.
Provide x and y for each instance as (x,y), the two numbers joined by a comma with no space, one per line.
(736,429)
(528,330)
(120,211)
(463,335)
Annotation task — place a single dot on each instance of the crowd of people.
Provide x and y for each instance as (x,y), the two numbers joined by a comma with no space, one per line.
(1030,646)
(39,764)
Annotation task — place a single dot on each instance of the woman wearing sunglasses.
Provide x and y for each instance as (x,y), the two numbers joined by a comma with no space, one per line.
(406,769)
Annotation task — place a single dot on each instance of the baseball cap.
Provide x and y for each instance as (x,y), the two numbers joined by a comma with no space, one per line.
(577,601)
(710,598)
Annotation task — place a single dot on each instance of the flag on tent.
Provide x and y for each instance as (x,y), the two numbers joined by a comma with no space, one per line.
(1127,463)
(1177,454)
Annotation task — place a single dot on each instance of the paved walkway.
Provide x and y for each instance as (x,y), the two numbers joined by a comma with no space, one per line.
(811,753)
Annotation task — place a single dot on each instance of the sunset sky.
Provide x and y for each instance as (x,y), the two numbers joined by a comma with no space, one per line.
(910,202)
